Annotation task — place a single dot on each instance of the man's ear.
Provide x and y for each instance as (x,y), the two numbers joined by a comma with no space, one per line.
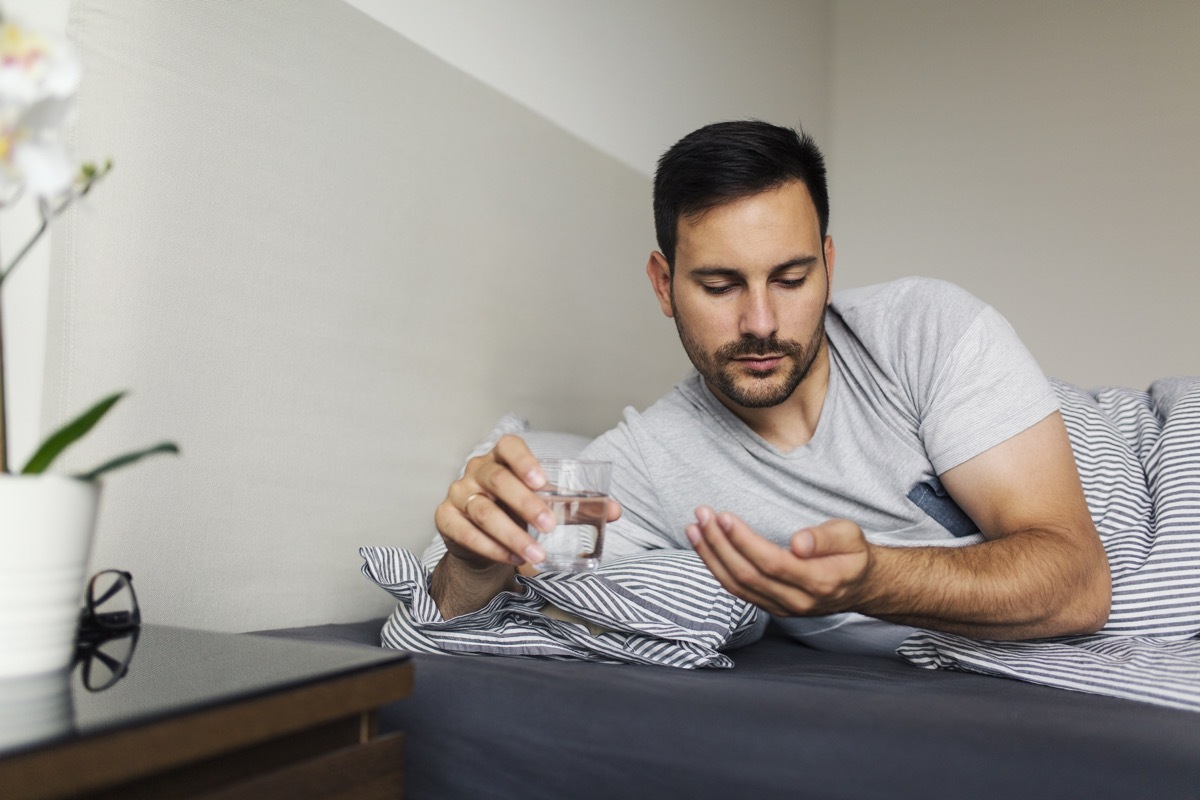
(830,257)
(659,273)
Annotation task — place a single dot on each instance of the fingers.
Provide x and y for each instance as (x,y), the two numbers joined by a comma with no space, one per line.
(821,571)
(833,537)
(465,540)
(512,452)
(486,511)
(512,477)
(752,567)
(496,482)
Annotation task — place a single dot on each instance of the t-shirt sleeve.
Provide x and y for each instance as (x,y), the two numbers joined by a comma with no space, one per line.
(641,526)
(986,390)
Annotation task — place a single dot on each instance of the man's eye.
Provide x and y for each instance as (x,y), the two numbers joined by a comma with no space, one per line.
(720,288)
(791,283)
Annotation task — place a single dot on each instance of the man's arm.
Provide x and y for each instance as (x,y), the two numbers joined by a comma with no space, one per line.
(1042,571)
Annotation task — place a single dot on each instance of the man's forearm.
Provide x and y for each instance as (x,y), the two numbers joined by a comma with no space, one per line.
(1029,584)
(459,588)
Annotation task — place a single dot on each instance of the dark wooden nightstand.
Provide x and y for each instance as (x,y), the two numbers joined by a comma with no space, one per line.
(215,715)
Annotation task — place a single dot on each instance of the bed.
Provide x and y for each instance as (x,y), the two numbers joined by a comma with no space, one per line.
(785,721)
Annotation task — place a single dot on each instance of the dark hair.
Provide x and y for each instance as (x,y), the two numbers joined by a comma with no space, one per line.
(730,160)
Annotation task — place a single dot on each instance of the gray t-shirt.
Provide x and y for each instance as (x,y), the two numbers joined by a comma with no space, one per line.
(923,376)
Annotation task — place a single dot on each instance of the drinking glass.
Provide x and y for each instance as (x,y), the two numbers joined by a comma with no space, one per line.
(577,492)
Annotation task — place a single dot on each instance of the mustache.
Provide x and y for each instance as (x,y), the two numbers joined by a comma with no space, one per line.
(753,346)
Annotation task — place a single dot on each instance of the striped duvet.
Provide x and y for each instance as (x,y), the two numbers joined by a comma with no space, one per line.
(1139,458)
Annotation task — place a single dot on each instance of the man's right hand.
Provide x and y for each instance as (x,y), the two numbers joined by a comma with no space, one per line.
(484,520)
(484,516)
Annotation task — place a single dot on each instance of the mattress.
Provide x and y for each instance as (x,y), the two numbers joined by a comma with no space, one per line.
(785,721)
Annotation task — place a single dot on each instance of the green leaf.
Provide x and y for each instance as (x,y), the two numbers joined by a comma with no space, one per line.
(128,458)
(68,434)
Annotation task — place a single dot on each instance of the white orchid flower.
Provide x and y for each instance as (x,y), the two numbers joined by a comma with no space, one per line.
(38,79)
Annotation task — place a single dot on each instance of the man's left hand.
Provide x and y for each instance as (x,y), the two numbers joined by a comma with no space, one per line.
(824,569)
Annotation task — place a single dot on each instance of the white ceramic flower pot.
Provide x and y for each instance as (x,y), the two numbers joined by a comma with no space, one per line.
(46,526)
(34,708)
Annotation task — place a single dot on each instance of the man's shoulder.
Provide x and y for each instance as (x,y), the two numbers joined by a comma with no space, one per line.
(680,415)
(684,401)
(913,294)
(908,310)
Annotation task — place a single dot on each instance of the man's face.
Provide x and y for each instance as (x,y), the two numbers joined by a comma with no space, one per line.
(749,292)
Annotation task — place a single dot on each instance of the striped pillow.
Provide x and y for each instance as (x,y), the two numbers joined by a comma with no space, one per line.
(660,607)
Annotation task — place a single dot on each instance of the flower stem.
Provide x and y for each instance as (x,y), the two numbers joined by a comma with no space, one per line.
(89,175)
(32,241)
(46,214)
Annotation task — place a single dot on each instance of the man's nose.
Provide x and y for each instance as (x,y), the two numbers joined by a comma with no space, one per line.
(758,315)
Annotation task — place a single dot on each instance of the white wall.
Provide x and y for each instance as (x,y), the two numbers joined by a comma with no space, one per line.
(1043,154)
(633,76)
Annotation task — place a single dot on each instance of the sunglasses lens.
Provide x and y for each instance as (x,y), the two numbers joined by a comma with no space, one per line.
(111,599)
(108,660)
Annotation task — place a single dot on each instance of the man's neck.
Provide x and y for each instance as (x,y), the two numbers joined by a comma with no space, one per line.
(792,423)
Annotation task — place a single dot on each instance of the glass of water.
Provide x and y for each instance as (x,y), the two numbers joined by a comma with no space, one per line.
(577,492)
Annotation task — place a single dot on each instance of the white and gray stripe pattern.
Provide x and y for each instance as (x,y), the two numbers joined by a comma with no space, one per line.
(663,607)
(1139,459)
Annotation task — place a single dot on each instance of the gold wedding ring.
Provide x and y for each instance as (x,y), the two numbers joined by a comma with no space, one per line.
(467,505)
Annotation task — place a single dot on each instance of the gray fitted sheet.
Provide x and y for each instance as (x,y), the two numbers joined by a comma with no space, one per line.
(786,721)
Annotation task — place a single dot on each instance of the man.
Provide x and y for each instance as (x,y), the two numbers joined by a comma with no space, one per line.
(856,464)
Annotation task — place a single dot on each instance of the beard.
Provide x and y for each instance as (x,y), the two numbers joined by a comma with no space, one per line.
(721,371)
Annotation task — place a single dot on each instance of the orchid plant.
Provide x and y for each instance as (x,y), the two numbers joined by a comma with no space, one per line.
(38,79)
